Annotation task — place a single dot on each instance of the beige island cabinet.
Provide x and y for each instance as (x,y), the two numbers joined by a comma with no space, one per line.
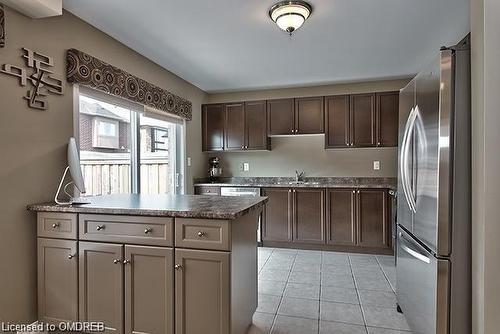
(150,264)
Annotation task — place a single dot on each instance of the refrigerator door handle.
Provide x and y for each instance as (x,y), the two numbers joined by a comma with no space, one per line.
(404,160)
(407,248)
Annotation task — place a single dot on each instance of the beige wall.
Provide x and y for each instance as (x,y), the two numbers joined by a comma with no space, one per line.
(486,164)
(307,152)
(33,142)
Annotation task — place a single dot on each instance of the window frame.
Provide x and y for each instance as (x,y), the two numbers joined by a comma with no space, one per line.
(136,110)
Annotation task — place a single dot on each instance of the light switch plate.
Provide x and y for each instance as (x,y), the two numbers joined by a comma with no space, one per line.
(376,165)
(246,166)
(189,161)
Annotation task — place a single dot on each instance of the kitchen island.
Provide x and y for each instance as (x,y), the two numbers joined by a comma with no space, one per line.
(150,263)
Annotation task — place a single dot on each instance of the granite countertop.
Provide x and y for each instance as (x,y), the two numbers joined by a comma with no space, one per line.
(185,206)
(310,182)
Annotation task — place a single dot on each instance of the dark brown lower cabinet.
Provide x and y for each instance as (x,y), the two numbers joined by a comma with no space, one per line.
(340,217)
(308,215)
(149,290)
(277,217)
(202,296)
(101,284)
(372,218)
(57,281)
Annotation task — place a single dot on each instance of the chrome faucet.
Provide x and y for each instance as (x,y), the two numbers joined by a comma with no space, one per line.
(299,177)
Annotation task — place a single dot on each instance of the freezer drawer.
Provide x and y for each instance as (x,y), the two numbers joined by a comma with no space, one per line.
(422,286)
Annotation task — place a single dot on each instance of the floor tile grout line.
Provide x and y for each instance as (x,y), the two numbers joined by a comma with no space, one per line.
(385,275)
(281,298)
(359,297)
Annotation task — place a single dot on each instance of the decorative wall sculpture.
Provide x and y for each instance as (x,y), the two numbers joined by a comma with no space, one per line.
(38,74)
(2,26)
(89,71)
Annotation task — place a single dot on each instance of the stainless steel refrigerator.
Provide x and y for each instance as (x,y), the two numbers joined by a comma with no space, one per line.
(433,213)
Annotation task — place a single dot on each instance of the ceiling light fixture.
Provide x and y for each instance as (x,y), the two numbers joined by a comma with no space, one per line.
(290,15)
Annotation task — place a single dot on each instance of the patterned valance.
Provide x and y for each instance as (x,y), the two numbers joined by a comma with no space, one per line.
(2,26)
(86,70)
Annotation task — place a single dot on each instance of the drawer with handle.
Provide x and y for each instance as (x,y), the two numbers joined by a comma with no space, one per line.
(56,225)
(206,190)
(152,231)
(202,234)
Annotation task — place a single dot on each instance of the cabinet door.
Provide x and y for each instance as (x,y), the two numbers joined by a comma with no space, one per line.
(256,130)
(202,292)
(213,127)
(280,117)
(101,284)
(309,115)
(387,119)
(340,218)
(235,126)
(308,215)
(57,281)
(149,290)
(277,215)
(337,121)
(362,120)
(372,220)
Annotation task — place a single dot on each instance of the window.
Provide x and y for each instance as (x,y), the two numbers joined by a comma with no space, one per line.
(105,133)
(127,149)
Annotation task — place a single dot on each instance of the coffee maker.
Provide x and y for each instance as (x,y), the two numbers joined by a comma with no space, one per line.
(214,171)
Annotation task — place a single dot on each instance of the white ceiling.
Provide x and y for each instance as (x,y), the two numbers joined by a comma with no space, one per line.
(226,45)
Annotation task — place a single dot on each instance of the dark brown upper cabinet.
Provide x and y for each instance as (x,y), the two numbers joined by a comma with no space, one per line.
(362,120)
(255,126)
(280,117)
(309,115)
(387,119)
(213,127)
(235,126)
(337,120)
(295,116)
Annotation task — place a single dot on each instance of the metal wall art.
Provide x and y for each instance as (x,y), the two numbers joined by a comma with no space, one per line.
(37,73)
(2,26)
(89,71)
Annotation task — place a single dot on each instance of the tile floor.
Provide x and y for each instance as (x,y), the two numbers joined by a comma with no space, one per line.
(314,292)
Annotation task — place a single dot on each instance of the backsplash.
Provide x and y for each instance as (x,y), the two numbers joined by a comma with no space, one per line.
(307,153)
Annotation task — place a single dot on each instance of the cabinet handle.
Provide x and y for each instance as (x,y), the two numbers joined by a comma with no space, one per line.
(177,267)
(70,256)
(378,143)
(126,261)
(354,191)
(116,261)
(289,190)
(358,191)
(55,225)
(100,227)
(148,230)
(200,234)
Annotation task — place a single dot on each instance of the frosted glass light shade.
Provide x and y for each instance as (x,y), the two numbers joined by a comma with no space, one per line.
(290,15)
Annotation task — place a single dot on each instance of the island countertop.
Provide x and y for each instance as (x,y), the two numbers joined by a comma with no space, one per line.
(185,206)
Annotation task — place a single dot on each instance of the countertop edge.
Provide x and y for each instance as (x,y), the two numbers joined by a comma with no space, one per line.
(48,207)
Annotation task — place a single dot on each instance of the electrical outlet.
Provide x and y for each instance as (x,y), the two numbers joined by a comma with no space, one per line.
(376,165)
(189,161)
(246,166)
